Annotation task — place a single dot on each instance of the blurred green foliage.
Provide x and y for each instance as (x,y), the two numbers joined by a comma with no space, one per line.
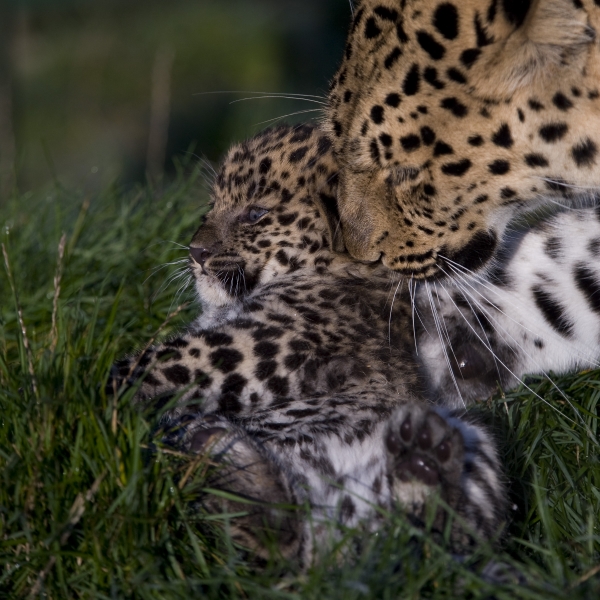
(82,73)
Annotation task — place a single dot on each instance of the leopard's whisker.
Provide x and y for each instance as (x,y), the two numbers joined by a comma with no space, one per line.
(436,322)
(293,95)
(400,282)
(299,112)
(521,381)
(584,356)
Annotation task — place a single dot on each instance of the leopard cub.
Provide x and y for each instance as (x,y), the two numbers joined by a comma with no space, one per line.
(298,377)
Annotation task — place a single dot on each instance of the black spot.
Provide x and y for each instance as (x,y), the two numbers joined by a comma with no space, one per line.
(427,135)
(412,81)
(430,45)
(374,149)
(202,379)
(475,253)
(294,361)
(594,247)
(536,160)
(265,333)
(386,140)
(279,386)
(457,168)
(553,132)
(371,29)
(538,343)
(430,76)
(535,105)
(553,247)
(455,107)
(561,101)
(392,99)
(521,115)
(410,143)
(469,56)
(576,92)
(177,374)
(323,145)
(481,199)
(226,359)
(301,134)
(482,37)
(194,352)
(506,193)
(455,75)
(445,20)
(299,154)
(177,343)
(168,354)
(516,10)
(287,218)
(442,148)
(266,349)
(282,258)
(392,57)
(387,14)
(264,166)
(264,369)
(584,153)
(499,167)
(215,338)
(475,140)
(428,190)
(503,137)
(400,33)
(377,114)
(231,388)
(337,128)
(553,312)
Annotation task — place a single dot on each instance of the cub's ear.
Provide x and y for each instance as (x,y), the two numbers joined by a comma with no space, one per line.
(552,37)
(329,211)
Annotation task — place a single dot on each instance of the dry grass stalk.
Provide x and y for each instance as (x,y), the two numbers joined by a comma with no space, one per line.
(21,322)
(57,278)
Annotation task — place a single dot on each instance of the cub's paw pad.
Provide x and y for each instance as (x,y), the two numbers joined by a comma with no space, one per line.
(424,446)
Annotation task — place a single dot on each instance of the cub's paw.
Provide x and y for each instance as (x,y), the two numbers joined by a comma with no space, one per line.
(424,449)
(432,451)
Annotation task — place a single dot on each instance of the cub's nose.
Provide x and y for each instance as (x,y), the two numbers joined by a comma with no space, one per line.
(200,255)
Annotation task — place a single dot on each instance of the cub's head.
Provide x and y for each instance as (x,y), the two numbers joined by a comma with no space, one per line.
(449,117)
(273,212)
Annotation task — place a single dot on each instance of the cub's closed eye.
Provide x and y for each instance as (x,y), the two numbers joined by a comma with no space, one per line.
(253,214)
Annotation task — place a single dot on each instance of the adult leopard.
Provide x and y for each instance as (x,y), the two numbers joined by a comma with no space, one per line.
(450,118)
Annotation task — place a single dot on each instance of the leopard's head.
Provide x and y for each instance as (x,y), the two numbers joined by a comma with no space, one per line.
(273,212)
(451,117)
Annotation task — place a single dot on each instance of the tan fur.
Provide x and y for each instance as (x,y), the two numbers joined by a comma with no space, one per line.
(447,128)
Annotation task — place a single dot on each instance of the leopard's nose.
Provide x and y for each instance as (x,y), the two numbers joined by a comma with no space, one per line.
(200,255)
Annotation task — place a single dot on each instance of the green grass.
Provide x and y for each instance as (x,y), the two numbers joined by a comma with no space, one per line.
(87,512)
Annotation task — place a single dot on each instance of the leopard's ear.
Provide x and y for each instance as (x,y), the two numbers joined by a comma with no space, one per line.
(537,42)
(329,211)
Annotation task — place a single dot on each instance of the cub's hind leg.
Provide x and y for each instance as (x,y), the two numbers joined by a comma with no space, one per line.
(432,451)
(263,490)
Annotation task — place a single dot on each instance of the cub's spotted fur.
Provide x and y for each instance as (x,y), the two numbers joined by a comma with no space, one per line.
(450,117)
(299,375)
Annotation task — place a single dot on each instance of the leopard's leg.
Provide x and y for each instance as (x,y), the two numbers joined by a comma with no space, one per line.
(264,490)
(437,453)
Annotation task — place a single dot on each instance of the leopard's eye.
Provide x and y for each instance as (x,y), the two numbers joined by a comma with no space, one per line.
(253,214)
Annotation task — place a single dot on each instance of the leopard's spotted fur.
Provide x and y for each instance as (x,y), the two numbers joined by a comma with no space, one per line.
(450,117)
(299,375)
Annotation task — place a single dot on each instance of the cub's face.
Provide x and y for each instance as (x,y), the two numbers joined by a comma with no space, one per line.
(449,117)
(273,213)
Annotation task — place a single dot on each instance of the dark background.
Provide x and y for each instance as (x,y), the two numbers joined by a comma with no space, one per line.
(97,91)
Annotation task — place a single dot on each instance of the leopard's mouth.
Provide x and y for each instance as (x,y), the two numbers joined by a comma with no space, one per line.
(232,275)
